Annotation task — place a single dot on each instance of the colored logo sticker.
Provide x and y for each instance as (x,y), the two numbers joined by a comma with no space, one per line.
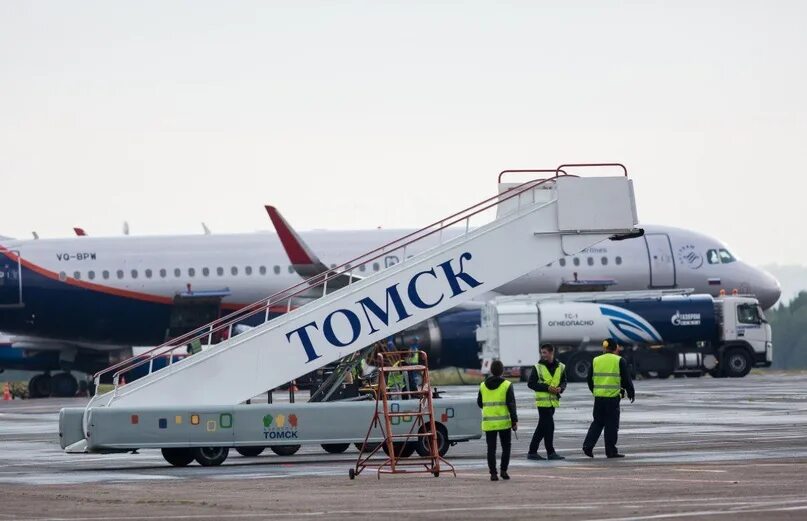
(280,427)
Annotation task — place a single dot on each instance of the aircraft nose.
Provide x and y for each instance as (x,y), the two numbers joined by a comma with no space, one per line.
(769,290)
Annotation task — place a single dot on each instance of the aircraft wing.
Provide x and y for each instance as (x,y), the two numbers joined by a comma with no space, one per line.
(303,259)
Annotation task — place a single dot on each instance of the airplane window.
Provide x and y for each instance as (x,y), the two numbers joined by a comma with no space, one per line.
(604,261)
(291,269)
(119,273)
(234,270)
(177,272)
(206,272)
(248,270)
(62,276)
(220,271)
(276,269)
(362,268)
(712,257)
(91,275)
(726,257)
(134,274)
(262,270)
(191,272)
(77,275)
(376,267)
(590,261)
(576,261)
(562,262)
(618,260)
(105,274)
(163,273)
(148,274)
(747,314)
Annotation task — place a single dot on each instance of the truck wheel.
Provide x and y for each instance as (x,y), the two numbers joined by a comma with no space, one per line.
(736,363)
(717,372)
(423,446)
(210,456)
(402,449)
(178,457)
(284,450)
(578,367)
(249,452)
(370,446)
(335,448)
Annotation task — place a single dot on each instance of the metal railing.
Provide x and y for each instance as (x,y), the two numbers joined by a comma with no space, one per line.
(282,300)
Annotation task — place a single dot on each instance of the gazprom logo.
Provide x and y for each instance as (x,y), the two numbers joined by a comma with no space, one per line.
(425,289)
(629,327)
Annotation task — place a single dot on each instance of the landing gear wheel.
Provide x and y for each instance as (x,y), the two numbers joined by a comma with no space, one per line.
(578,367)
(178,457)
(335,448)
(63,385)
(210,456)
(736,363)
(423,445)
(39,386)
(249,452)
(284,450)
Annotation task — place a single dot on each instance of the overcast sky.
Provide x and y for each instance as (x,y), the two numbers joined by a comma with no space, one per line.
(393,114)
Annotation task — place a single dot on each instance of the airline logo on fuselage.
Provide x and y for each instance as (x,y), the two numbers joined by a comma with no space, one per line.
(365,316)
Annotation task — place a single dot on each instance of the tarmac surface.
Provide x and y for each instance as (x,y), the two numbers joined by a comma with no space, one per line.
(697,449)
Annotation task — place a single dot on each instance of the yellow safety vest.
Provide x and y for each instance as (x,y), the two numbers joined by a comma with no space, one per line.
(606,376)
(545,398)
(396,379)
(495,414)
(413,358)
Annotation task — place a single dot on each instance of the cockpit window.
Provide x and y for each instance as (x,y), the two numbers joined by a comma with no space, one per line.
(726,257)
(748,314)
(712,257)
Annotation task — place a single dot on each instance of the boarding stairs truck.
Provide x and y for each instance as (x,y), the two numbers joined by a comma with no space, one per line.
(663,332)
(197,408)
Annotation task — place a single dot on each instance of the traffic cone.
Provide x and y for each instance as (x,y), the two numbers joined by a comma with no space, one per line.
(6,392)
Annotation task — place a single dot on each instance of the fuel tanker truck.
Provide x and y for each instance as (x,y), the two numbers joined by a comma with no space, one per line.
(663,332)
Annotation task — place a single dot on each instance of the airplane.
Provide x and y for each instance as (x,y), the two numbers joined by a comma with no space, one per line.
(81,303)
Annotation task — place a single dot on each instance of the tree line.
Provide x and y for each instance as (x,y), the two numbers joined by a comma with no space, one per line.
(789,325)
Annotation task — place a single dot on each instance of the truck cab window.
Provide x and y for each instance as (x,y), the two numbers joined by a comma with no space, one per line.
(726,257)
(712,257)
(748,314)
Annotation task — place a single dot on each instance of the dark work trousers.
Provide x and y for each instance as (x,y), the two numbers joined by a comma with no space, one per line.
(606,416)
(505,437)
(544,431)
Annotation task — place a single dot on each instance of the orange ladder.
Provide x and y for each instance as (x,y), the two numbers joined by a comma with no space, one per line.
(422,435)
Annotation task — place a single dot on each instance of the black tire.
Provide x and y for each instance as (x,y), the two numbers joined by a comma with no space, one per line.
(39,386)
(577,370)
(736,363)
(63,385)
(249,452)
(664,374)
(423,444)
(178,457)
(402,449)
(210,456)
(717,372)
(370,446)
(284,450)
(335,448)
(351,473)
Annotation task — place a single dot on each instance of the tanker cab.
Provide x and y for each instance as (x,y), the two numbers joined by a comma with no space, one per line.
(744,321)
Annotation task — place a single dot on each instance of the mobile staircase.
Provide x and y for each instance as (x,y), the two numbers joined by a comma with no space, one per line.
(535,223)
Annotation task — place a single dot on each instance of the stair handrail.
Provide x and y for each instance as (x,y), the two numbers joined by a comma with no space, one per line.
(286,294)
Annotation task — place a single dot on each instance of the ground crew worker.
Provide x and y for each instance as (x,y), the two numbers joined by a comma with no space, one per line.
(548,380)
(608,379)
(195,346)
(498,404)
(413,358)
(396,381)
